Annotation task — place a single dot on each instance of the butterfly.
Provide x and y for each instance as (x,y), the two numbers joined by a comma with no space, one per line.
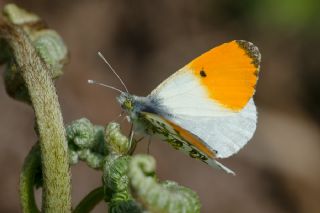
(206,108)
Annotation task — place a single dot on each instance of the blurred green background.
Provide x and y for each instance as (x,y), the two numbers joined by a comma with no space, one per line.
(146,41)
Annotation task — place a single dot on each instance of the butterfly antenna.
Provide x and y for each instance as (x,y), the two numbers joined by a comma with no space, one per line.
(114,72)
(104,85)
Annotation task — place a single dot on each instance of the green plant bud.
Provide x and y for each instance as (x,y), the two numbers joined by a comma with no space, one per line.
(94,160)
(189,199)
(116,142)
(100,146)
(48,44)
(51,49)
(122,203)
(81,133)
(19,16)
(115,173)
(73,157)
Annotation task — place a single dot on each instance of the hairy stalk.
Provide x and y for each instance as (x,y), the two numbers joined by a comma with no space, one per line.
(53,144)
(31,166)
(90,201)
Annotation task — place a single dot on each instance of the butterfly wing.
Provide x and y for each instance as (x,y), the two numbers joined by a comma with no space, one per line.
(225,134)
(211,97)
(179,139)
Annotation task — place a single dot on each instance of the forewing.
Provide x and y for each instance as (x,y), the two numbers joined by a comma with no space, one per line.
(216,83)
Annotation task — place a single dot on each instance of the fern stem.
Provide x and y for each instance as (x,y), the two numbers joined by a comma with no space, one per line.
(27,180)
(90,201)
(53,144)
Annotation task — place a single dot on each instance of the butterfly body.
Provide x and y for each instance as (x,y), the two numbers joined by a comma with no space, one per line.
(206,108)
(144,113)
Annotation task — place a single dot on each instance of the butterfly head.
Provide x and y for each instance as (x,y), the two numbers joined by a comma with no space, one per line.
(133,105)
(127,102)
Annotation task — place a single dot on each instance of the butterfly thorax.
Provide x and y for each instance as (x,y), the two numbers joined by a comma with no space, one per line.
(136,106)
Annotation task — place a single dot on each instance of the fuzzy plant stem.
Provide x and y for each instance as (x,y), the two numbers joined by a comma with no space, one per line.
(90,201)
(27,180)
(53,144)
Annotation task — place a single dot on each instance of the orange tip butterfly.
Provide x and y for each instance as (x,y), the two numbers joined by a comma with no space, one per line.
(206,108)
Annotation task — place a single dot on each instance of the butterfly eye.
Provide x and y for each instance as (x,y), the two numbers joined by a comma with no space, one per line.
(128,104)
(203,73)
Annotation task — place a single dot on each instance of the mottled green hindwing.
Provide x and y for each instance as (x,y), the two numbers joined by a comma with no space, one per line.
(155,125)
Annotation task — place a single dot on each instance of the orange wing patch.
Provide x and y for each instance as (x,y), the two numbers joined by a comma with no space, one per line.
(192,139)
(229,73)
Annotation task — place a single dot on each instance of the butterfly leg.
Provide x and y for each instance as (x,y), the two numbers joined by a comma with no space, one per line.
(119,116)
(131,136)
(134,144)
(149,143)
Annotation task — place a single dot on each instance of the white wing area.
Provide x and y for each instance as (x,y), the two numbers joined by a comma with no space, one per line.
(221,129)
(225,134)
(183,95)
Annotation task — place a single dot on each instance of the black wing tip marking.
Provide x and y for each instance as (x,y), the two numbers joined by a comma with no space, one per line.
(252,51)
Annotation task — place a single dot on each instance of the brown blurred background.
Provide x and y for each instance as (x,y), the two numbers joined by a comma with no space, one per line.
(146,41)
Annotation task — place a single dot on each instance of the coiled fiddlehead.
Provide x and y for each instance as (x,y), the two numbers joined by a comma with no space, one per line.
(116,186)
(166,197)
(86,142)
(129,182)
(115,179)
(47,43)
